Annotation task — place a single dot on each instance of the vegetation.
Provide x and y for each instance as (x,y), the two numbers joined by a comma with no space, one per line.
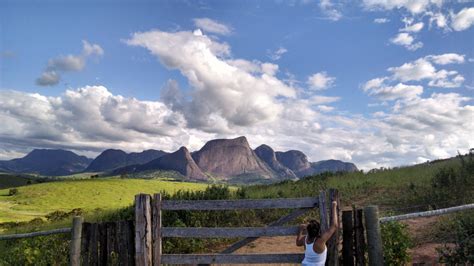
(459,231)
(406,189)
(37,200)
(396,243)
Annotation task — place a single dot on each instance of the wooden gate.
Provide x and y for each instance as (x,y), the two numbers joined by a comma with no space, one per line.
(139,242)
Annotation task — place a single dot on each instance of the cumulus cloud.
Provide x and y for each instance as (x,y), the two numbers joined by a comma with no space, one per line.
(330,10)
(89,118)
(463,20)
(228,97)
(423,69)
(212,26)
(406,40)
(67,63)
(320,81)
(277,54)
(224,94)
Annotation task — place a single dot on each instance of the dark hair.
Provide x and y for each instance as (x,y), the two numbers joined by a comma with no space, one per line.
(313,229)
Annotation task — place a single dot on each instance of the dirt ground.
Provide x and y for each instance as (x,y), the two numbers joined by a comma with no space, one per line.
(423,253)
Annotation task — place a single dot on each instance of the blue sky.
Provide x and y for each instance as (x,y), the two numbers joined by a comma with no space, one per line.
(344,42)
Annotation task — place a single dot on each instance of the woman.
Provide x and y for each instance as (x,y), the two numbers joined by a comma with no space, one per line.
(315,242)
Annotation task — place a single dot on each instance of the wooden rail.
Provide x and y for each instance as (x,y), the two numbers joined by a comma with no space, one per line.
(229,232)
(231,258)
(192,205)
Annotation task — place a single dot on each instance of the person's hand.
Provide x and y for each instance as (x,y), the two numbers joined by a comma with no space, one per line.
(302,227)
(334,204)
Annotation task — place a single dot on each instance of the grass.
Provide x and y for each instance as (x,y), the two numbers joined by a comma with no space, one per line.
(383,187)
(107,194)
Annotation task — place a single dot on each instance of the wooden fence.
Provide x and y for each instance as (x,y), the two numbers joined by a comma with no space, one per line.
(139,242)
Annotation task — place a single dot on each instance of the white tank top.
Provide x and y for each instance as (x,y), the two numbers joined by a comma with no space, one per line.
(312,258)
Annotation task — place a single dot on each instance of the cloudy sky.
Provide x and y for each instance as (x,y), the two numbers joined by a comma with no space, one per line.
(375,82)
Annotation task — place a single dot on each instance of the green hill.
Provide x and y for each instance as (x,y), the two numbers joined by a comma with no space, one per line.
(40,199)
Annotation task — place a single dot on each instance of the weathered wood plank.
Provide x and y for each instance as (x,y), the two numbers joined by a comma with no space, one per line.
(76,235)
(374,236)
(333,243)
(229,232)
(230,258)
(347,239)
(239,204)
(323,212)
(287,218)
(112,249)
(103,244)
(125,236)
(85,243)
(94,245)
(359,237)
(143,244)
(156,229)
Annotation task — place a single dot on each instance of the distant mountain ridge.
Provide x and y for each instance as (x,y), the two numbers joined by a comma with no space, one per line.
(112,159)
(219,159)
(47,162)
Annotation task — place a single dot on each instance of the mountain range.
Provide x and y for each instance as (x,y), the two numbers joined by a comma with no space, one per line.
(219,159)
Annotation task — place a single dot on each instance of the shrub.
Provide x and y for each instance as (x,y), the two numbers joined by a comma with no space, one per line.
(396,242)
(462,230)
(12,191)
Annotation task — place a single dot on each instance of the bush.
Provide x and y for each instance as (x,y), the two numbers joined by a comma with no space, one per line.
(462,230)
(12,191)
(396,242)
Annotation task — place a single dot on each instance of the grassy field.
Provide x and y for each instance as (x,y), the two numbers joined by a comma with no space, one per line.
(386,188)
(40,199)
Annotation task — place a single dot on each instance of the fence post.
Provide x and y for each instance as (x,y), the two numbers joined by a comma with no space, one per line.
(156,229)
(359,238)
(374,237)
(347,239)
(75,251)
(323,213)
(333,243)
(142,230)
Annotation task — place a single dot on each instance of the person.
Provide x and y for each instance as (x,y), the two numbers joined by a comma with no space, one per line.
(315,242)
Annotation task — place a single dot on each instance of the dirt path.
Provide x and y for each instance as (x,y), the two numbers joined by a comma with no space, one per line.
(420,229)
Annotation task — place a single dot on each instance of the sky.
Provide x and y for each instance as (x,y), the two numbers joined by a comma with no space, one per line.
(380,83)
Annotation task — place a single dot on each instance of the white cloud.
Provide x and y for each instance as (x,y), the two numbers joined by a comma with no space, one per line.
(406,40)
(390,93)
(224,95)
(440,19)
(68,63)
(91,49)
(277,54)
(48,78)
(381,20)
(212,26)
(423,69)
(330,10)
(414,7)
(320,81)
(444,59)
(463,20)
(416,27)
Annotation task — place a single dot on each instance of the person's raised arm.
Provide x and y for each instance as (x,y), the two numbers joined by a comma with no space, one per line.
(300,237)
(321,242)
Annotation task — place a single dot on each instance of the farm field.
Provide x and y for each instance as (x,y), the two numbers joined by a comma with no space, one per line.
(106,194)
